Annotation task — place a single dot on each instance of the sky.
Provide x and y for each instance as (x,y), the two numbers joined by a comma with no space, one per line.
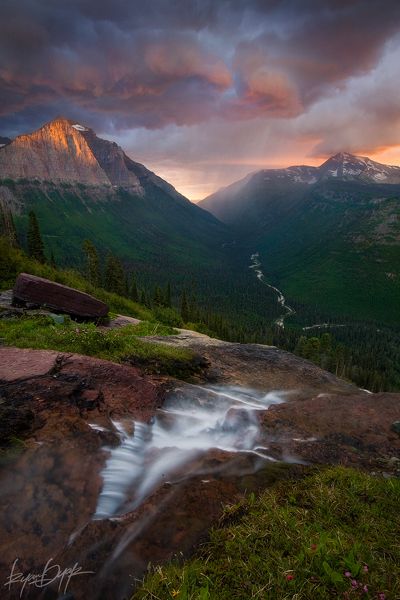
(205,91)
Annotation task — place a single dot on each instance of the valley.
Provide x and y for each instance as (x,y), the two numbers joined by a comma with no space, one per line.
(328,236)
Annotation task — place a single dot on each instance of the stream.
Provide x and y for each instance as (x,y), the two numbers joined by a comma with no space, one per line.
(164,484)
(125,492)
(256,266)
(190,423)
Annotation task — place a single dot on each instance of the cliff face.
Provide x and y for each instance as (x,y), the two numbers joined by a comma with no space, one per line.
(63,151)
(57,151)
(112,160)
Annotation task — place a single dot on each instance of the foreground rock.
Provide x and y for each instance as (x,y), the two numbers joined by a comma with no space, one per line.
(37,291)
(57,413)
(257,366)
(352,430)
(325,420)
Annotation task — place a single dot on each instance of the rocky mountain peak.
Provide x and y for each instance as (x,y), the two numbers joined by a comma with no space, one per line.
(55,152)
(351,167)
(64,150)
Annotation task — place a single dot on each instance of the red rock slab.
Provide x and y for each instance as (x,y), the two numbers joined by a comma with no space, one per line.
(58,297)
(21,363)
(50,485)
(337,429)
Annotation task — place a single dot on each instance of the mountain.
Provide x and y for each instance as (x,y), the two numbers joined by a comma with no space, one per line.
(328,236)
(82,186)
(232,202)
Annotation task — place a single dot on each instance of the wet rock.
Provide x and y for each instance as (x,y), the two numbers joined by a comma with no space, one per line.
(354,429)
(20,363)
(61,408)
(236,419)
(33,291)
(256,366)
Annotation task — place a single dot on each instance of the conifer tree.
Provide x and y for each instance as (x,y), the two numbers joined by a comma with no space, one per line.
(92,267)
(114,276)
(167,296)
(53,263)
(35,243)
(184,307)
(7,226)
(134,292)
(158,299)
(143,299)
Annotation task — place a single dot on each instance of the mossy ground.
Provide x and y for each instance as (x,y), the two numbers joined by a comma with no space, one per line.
(333,534)
(123,344)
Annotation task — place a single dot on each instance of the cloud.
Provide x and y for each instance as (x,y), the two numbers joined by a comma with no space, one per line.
(362,117)
(183,61)
(209,85)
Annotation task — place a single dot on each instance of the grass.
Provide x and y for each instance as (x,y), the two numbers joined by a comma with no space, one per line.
(119,345)
(333,534)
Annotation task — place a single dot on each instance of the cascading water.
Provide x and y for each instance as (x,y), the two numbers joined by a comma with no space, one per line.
(192,421)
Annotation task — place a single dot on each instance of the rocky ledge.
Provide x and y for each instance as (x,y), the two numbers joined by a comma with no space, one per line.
(58,413)
(325,420)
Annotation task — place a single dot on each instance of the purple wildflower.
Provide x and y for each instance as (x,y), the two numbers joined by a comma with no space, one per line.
(347,574)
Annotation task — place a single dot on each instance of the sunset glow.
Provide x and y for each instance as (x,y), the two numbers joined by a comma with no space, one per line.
(205,92)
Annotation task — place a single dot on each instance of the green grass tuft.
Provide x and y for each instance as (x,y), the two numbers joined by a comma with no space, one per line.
(123,344)
(334,534)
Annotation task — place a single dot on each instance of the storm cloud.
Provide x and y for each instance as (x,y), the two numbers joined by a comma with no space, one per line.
(322,73)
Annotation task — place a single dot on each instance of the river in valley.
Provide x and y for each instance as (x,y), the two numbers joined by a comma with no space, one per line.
(287,310)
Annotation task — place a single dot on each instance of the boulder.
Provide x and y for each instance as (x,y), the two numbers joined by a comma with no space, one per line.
(38,291)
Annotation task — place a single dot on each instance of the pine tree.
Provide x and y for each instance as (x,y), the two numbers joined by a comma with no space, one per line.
(184,307)
(134,292)
(7,226)
(35,243)
(53,263)
(167,296)
(157,297)
(92,267)
(115,276)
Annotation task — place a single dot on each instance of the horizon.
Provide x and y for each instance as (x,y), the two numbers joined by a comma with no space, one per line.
(203,93)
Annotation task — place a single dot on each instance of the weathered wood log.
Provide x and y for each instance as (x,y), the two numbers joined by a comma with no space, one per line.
(30,289)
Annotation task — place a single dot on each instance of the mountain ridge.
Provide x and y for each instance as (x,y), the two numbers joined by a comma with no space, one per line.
(64,151)
(327,236)
(342,166)
(83,187)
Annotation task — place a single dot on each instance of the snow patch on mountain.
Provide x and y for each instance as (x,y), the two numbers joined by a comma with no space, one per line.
(79,127)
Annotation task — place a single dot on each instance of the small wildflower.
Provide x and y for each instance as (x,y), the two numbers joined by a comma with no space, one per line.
(314,547)
(381,596)
(365,589)
(289,577)
(354,583)
(365,568)
(175,593)
(347,574)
